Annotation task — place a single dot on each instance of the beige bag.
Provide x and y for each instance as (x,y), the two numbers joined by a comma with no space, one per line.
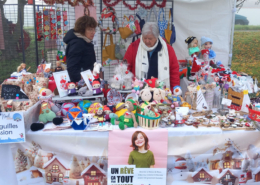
(125,32)
(108,52)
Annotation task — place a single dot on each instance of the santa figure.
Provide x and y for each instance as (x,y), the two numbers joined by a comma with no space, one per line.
(195,65)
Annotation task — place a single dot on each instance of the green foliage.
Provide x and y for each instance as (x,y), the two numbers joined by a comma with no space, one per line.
(246,55)
(246,27)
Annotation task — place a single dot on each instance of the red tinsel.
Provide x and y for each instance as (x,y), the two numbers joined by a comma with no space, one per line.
(85,3)
(138,2)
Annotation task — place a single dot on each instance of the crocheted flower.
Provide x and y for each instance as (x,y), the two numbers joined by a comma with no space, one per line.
(142,12)
(59,31)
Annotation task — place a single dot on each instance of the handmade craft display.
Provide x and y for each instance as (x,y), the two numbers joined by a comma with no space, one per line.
(58,17)
(49,111)
(65,22)
(39,25)
(108,12)
(52,24)
(46,24)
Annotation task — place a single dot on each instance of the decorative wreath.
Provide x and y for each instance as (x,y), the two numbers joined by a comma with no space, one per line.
(106,13)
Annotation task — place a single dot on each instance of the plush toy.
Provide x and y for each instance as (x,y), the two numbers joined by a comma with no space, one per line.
(89,118)
(48,112)
(129,118)
(71,89)
(158,95)
(146,97)
(96,87)
(107,112)
(74,112)
(206,43)
(100,115)
(96,70)
(153,82)
(195,64)
(192,45)
(83,91)
(177,99)
(137,85)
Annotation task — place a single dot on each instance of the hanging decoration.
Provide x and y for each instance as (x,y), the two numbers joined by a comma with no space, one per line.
(46,24)
(59,30)
(53,24)
(106,13)
(39,25)
(65,22)
(85,3)
(138,2)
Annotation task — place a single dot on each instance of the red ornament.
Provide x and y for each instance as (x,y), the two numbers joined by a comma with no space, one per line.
(123,86)
(247,124)
(126,72)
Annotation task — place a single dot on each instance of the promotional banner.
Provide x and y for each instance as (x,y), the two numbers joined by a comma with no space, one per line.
(230,158)
(11,127)
(137,156)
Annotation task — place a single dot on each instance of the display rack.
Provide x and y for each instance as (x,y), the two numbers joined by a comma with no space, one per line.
(58,98)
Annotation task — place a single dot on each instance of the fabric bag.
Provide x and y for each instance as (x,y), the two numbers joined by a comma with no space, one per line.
(162,24)
(141,22)
(108,51)
(153,9)
(170,33)
(120,50)
(125,31)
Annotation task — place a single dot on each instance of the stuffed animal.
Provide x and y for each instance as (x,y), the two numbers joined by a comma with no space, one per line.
(83,91)
(146,97)
(177,99)
(96,87)
(100,115)
(158,95)
(71,88)
(107,112)
(48,112)
(206,43)
(90,118)
(137,85)
(96,70)
(129,118)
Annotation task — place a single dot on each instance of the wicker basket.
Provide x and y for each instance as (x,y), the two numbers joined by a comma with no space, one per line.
(148,122)
(236,97)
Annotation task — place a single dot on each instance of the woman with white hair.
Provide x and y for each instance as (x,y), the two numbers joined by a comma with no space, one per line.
(150,56)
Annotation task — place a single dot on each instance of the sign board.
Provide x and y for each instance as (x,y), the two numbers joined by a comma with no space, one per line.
(12,127)
(201,102)
(12,92)
(88,76)
(61,78)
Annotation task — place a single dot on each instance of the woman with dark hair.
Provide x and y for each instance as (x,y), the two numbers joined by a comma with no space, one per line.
(80,52)
(141,157)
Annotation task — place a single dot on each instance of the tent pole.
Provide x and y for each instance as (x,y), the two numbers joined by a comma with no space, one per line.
(232,35)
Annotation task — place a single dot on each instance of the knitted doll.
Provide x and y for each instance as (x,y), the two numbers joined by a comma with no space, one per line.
(48,112)
(100,115)
(192,45)
(206,43)
(71,86)
(129,118)
(137,84)
(22,68)
(96,70)
(177,99)
(146,96)
(96,87)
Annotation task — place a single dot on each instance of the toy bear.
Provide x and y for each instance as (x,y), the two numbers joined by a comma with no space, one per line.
(146,96)
(48,112)
(129,118)
(100,115)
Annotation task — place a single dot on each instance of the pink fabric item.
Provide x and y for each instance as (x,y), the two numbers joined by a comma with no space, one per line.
(79,11)
(2,43)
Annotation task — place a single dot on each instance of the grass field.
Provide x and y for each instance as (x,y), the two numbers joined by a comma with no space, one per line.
(246,53)
(246,27)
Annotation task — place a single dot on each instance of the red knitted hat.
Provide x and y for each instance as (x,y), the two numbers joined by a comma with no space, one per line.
(95,83)
(204,51)
(151,82)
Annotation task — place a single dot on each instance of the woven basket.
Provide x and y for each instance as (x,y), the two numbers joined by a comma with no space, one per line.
(148,122)
(236,97)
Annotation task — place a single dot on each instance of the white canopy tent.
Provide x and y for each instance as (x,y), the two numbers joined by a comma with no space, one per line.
(209,18)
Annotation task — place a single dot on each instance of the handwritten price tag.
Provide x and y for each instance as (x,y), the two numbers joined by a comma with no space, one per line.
(226,102)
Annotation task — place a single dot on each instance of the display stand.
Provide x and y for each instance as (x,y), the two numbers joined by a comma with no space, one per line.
(58,98)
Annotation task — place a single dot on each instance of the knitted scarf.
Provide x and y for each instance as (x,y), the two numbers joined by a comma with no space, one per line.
(142,63)
(83,37)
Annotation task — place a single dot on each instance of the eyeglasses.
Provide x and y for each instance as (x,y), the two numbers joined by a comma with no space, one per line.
(92,30)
